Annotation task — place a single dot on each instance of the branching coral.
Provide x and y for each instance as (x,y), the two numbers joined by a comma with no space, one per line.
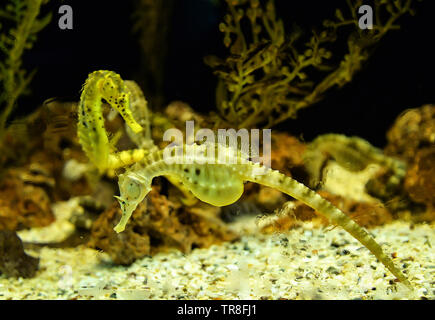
(14,79)
(268,76)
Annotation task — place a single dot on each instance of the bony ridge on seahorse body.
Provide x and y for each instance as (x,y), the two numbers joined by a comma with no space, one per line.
(221,183)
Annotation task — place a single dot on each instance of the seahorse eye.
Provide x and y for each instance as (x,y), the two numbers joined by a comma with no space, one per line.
(133,189)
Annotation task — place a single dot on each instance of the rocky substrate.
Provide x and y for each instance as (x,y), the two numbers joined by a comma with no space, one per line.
(302,263)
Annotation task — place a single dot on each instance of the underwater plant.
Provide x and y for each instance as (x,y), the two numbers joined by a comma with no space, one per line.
(219,184)
(269,74)
(24,16)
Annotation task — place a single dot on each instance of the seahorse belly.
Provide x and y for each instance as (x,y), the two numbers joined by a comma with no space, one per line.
(212,183)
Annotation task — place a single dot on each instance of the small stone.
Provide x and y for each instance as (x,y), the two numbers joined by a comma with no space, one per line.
(14,262)
(333,270)
(344,252)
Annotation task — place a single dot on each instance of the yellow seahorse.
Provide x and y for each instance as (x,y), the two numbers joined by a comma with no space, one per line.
(92,134)
(221,184)
(209,179)
(127,98)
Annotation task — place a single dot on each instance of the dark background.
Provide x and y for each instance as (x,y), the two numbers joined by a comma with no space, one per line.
(398,76)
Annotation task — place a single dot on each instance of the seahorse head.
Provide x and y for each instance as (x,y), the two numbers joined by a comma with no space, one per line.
(133,190)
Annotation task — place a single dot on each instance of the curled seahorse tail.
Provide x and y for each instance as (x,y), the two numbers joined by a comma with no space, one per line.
(275,179)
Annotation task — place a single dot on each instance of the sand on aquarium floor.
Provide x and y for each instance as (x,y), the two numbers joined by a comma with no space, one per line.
(303,263)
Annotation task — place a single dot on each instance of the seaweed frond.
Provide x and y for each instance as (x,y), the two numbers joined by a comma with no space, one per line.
(269,74)
(25,21)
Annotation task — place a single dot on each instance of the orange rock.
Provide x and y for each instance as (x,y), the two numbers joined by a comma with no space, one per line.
(413,129)
(420,178)
(286,156)
(23,205)
(286,153)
